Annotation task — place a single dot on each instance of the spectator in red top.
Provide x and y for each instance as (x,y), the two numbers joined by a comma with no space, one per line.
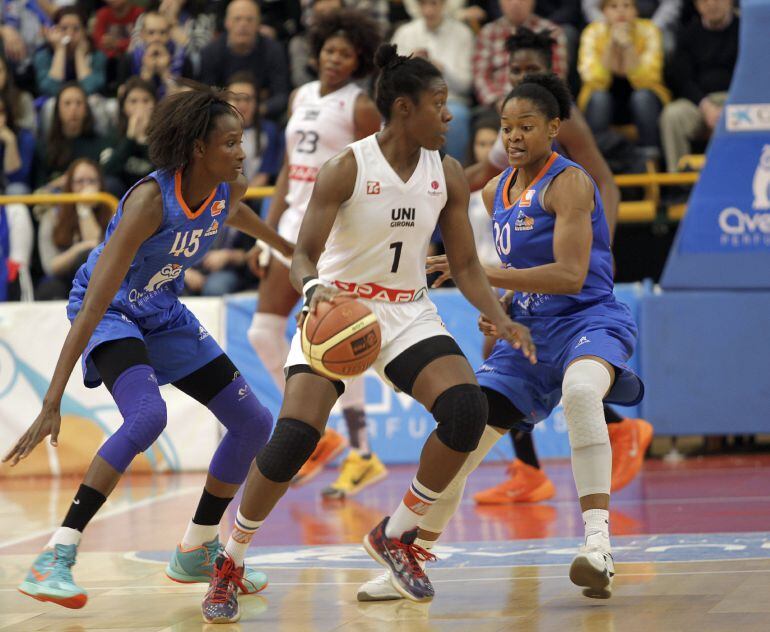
(490,59)
(114,23)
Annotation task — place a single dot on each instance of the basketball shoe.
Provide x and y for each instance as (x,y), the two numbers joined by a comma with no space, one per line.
(629,439)
(526,484)
(50,578)
(220,605)
(195,565)
(356,474)
(402,557)
(593,567)
(330,445)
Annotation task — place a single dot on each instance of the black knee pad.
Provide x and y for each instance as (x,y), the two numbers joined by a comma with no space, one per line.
(292,443)
(461,413)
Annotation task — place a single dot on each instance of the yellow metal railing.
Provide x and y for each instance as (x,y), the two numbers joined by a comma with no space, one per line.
(641,211)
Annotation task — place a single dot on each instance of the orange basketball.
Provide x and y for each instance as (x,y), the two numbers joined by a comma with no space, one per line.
(342,339)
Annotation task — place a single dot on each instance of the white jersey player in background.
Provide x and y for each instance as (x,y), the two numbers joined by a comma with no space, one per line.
(325,117)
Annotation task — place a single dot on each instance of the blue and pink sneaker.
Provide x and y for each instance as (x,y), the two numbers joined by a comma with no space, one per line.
(50,578)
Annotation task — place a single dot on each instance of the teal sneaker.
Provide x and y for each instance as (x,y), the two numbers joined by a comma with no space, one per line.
(195,566)
(50,578)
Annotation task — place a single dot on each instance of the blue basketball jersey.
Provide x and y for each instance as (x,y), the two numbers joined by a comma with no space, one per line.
(523,233)
(156,276)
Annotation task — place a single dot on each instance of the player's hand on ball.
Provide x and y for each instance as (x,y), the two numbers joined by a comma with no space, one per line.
(518,336)
(322,293)
(47,423)
(438,264)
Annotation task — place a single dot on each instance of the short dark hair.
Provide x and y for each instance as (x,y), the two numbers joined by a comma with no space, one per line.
(182,118)
(356,27)
(526,39)
(400,76)
(547,91)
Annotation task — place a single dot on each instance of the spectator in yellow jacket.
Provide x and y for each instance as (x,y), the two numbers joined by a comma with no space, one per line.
(620,62)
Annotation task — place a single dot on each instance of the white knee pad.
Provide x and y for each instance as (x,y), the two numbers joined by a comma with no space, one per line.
(441,512)
(583,388)
(353,397)
(267,335)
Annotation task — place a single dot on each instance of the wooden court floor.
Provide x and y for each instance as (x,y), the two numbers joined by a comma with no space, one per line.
(691,541)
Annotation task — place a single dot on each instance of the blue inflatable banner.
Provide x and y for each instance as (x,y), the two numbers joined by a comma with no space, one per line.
(398,425)
(724,240)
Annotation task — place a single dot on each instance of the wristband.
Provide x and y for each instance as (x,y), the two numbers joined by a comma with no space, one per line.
(309,285)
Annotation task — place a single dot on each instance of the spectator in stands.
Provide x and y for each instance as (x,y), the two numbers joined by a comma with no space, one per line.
(621,66)
(192,28)
(20,100)
(378,10)
(303,64)
(112,30)
(71,136)
(156,58)
(69,232)
(224,268)
(448,45)
(242,47)
(69,56)
(127,157)
(16,241)
(263,141)
(490,59)
(664,13)
(17,150)
(22,31)
(700,74)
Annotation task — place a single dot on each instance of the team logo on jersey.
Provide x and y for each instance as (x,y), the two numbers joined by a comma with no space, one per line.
(402,217)
(372,187)
(217,207)
(583,340)
(166,274)
(312,115)
(212,230)
(434,188)
(527,197)
(523,222)
(202,333)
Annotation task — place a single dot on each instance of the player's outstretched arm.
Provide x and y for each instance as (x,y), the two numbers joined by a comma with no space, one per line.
(142,214)
(334,184)
(243,218)
(466,269)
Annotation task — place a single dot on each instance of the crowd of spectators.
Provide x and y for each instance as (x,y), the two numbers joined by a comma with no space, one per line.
(79,81)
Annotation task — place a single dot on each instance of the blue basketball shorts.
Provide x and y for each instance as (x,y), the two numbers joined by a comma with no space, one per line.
(605,330)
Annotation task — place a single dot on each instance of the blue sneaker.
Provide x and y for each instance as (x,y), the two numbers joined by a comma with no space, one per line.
(403,558)
(50,578)
(188,566)
(220,605)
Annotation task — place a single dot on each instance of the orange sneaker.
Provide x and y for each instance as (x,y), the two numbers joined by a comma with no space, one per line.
(332,443)
(629,439)
(526,484)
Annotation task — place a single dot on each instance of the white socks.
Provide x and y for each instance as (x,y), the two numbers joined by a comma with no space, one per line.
(597,525)
(415,504)
(243,530)
(267,335)
(197,534)
(64,535)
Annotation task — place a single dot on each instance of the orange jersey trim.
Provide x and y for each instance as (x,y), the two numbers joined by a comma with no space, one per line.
(178,192)
(541,173)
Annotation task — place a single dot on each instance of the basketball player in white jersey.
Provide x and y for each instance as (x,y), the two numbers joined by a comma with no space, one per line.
(366,232)
(325,117)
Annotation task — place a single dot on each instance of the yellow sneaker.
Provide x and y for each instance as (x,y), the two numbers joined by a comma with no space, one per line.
(356,474)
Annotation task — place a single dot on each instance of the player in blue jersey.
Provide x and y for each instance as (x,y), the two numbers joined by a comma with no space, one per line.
(552,237)
(134,334)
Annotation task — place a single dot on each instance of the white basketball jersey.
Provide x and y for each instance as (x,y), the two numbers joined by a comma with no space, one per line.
(379,240)
(319,129)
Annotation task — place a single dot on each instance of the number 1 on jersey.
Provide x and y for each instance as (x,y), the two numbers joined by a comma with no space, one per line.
(396,246)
